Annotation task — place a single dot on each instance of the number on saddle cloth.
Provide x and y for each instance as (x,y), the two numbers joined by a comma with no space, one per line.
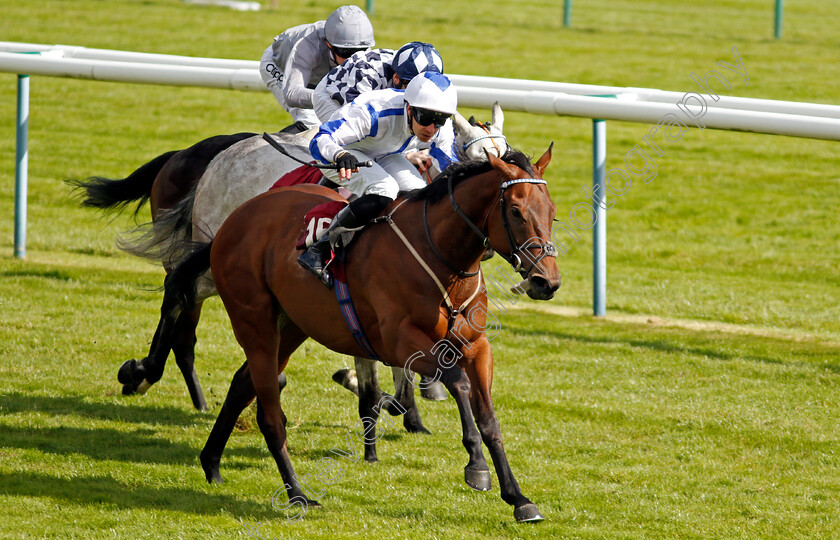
(317,221)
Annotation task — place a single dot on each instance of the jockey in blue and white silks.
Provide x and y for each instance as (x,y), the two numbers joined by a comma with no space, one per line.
(373,70)
(301,56)
(378,126)
(375,127)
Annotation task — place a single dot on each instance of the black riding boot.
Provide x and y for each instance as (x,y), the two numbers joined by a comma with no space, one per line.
(352,216)
(314,258)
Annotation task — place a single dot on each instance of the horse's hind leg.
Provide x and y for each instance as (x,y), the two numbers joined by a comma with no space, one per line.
(267,355)
(404,393)
(184,350)
(240,394)
(138,377)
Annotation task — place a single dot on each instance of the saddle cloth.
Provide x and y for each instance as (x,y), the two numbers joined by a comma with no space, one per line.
(302,175)
(317,220)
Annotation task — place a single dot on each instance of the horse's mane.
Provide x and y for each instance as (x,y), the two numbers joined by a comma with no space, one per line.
(462,170)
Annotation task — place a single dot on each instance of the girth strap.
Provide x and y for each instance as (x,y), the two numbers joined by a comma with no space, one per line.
(345,303)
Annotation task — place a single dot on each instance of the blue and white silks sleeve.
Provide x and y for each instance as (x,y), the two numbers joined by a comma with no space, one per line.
(350,124)
(442,150)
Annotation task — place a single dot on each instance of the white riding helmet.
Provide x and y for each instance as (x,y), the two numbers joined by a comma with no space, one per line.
(349,27)
(433,91)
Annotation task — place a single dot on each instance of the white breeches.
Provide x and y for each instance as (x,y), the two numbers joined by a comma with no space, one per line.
(388,176)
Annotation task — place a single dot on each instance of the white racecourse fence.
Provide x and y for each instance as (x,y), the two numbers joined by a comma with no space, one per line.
(671,112)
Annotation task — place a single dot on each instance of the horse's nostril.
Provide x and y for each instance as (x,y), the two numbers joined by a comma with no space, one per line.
(539,282)
(542,287)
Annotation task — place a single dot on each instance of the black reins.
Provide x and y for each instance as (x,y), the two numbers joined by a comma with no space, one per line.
(279,147)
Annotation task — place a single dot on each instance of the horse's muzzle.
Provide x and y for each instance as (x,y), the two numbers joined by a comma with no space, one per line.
(541,288)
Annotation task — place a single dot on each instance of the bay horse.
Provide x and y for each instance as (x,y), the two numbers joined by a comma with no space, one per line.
(424,251)
(208,181)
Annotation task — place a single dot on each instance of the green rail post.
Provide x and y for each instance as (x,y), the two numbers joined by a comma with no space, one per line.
(567,13)
(599,232)
(22,157)
(369,7)
(779,15)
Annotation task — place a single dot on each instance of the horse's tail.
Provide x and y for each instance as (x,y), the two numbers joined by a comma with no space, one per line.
(115,195)
(167,239)
(181,283)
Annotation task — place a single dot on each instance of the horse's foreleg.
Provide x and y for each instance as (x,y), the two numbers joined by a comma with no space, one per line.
(184,350)
(404,393)
(369,396)
(480,373)
(417,349)
(476,473)
(432,390)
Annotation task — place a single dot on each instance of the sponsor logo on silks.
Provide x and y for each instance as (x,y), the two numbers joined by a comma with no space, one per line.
(274,72)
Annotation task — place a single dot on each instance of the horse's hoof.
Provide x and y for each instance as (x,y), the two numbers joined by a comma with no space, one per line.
(347,378)
(416,428)
(478,480)
(527,513)
(213,476)
(211,470)
(129,389)
(126,370)
(435,392)
(313,504)
(200,404)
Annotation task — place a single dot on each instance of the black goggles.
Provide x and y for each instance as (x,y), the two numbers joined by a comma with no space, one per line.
(424,117)
(346,53)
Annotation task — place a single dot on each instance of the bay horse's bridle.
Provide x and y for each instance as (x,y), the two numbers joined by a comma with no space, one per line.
(547,249)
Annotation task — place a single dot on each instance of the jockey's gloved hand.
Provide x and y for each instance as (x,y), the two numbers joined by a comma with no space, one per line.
(347,161)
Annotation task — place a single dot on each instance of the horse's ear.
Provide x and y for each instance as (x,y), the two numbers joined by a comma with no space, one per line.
(461,124)
(472,120)
(509,170)
(542,163)
(498,117)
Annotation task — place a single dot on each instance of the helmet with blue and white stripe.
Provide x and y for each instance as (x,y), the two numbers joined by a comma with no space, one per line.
(415,58)
(433,91)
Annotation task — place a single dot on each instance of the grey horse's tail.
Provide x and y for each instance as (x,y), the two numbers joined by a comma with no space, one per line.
(182,281)
(167,239)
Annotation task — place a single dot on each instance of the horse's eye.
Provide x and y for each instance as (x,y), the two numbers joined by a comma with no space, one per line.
(516,213)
